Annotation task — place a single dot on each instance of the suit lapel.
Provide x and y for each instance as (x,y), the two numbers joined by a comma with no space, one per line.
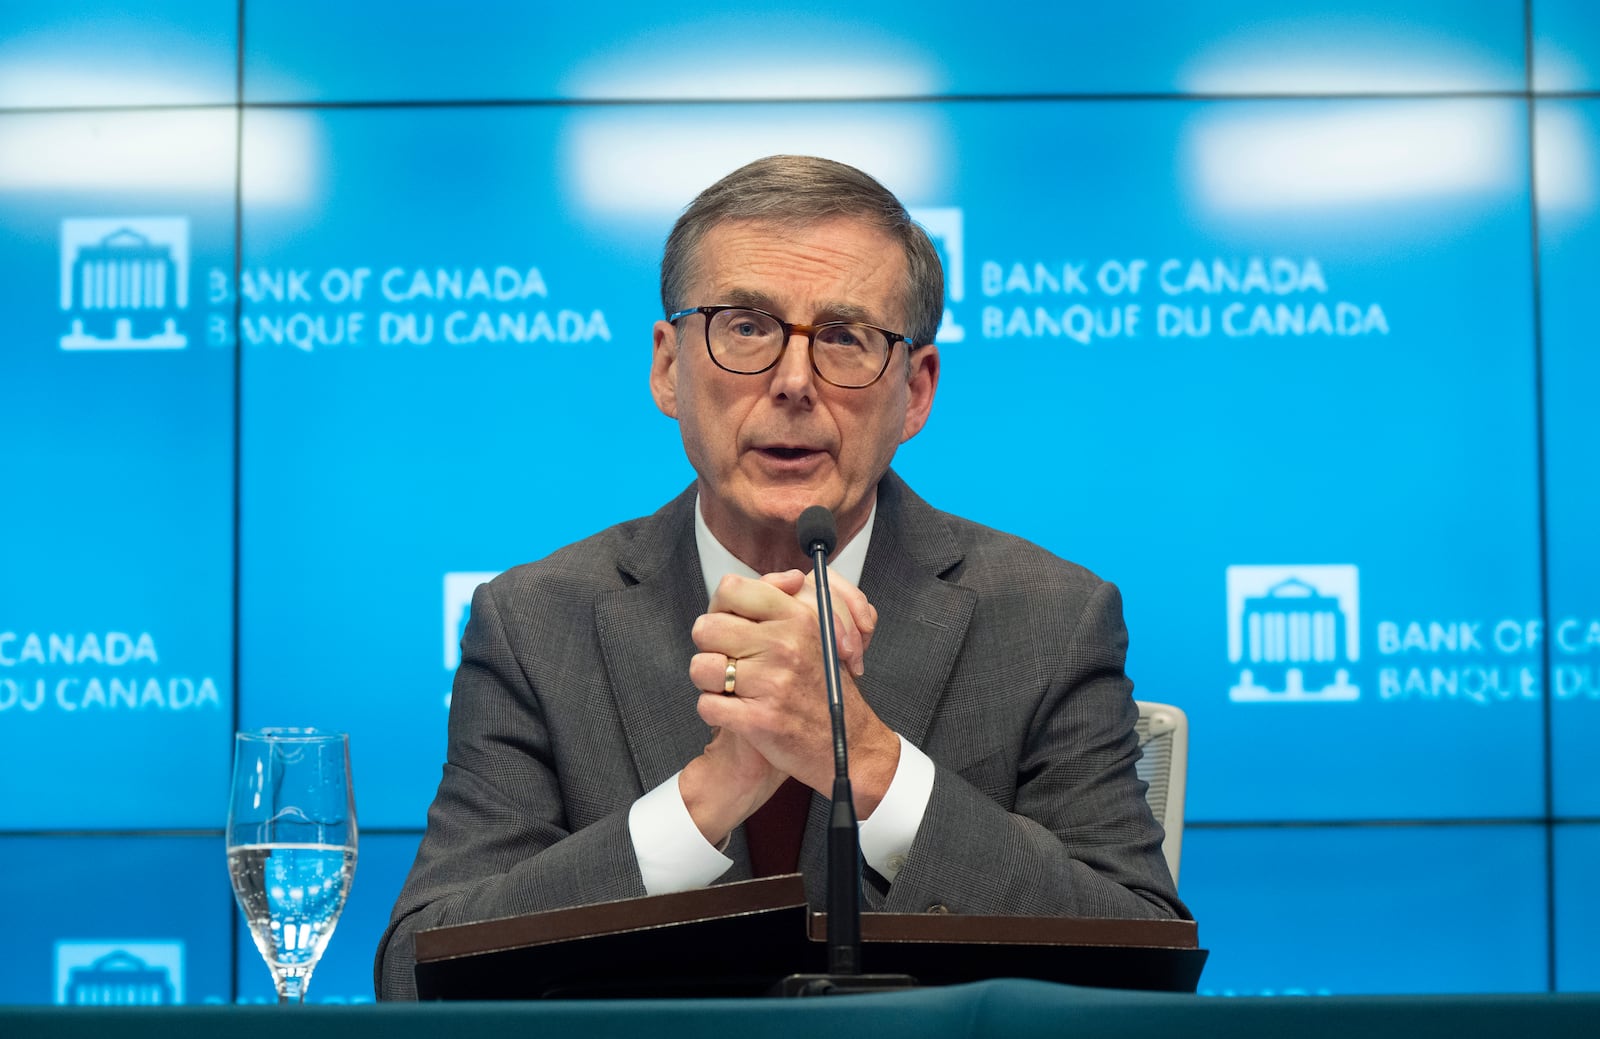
(922,619)
(644,640)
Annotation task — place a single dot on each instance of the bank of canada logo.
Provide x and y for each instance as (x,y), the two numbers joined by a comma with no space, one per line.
(458,589)
(943,225)
(103,973)
(1293,633)
(123,279)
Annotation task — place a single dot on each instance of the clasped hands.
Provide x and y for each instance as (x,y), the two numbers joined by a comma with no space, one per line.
(775,724)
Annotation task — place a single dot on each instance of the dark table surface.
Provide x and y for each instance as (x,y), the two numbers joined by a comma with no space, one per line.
(1000,1008)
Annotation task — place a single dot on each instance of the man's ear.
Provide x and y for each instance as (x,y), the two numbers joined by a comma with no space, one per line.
(920,387)
(664,369)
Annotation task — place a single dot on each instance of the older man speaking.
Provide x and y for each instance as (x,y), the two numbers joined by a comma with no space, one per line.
(643,711)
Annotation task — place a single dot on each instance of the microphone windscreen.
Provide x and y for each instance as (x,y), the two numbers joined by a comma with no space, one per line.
(816,525)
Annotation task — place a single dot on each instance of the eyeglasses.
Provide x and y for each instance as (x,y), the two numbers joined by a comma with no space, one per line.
(745,341)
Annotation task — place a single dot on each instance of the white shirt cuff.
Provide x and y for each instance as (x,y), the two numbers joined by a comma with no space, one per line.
(887,835)
(672,853)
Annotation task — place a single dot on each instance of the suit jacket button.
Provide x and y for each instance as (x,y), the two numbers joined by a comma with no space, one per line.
(938,907)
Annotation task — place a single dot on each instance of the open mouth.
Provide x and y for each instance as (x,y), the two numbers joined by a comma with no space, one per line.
(788,454)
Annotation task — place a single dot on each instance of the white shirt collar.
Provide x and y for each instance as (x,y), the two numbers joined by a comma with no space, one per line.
(715,560)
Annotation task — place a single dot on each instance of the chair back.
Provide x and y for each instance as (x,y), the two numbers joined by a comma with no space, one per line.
(1164,738)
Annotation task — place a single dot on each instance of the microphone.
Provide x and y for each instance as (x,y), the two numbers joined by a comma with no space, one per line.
(816,529)
(818,535)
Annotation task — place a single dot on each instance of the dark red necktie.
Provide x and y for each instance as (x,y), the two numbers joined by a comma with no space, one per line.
(774,832)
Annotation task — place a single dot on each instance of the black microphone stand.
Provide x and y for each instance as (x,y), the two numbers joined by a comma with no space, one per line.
(818,536)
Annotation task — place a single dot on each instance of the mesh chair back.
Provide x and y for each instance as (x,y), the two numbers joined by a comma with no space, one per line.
(1164,739)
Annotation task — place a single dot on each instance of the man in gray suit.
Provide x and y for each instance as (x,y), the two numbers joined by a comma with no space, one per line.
(643,711)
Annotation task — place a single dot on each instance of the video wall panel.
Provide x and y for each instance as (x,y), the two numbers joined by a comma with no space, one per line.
(449,381)
(1306,911)
(1245,387)
(1577,858)
(116,409)
(1568,154)
(892,49)
(116,919)
(76,53)
(1566,45)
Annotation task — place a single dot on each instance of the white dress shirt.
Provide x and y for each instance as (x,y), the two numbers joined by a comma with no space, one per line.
(672,853)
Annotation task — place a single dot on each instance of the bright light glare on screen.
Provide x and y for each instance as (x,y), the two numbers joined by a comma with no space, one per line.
(1564,164)
(118,151)
(724,56)
(51,82)
(1315,57)
(651,165)
(760,80)
(1281,159)
(282,157)
(161,152)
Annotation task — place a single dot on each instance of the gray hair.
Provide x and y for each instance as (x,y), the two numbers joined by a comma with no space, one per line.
(798,190)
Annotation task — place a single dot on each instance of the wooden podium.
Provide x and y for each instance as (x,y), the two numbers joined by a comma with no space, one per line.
(741,939)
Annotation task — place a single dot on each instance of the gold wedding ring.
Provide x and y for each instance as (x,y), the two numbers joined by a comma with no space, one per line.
(728,677)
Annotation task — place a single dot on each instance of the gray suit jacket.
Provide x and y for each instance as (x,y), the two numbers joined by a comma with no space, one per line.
(1001,661)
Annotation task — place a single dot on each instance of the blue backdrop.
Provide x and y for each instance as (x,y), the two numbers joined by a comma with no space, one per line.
(1279,318)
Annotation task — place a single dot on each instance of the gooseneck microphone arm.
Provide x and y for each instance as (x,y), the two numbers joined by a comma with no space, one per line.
(818,536)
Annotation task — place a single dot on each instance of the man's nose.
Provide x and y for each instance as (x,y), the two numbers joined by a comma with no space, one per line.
(793,378)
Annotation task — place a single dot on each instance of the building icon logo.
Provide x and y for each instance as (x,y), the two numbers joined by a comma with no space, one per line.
(1293,633)
(944,226)
(119,973)
(123,280)
(458,589)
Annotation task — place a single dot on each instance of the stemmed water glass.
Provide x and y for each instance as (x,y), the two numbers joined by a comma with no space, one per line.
(291,845)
